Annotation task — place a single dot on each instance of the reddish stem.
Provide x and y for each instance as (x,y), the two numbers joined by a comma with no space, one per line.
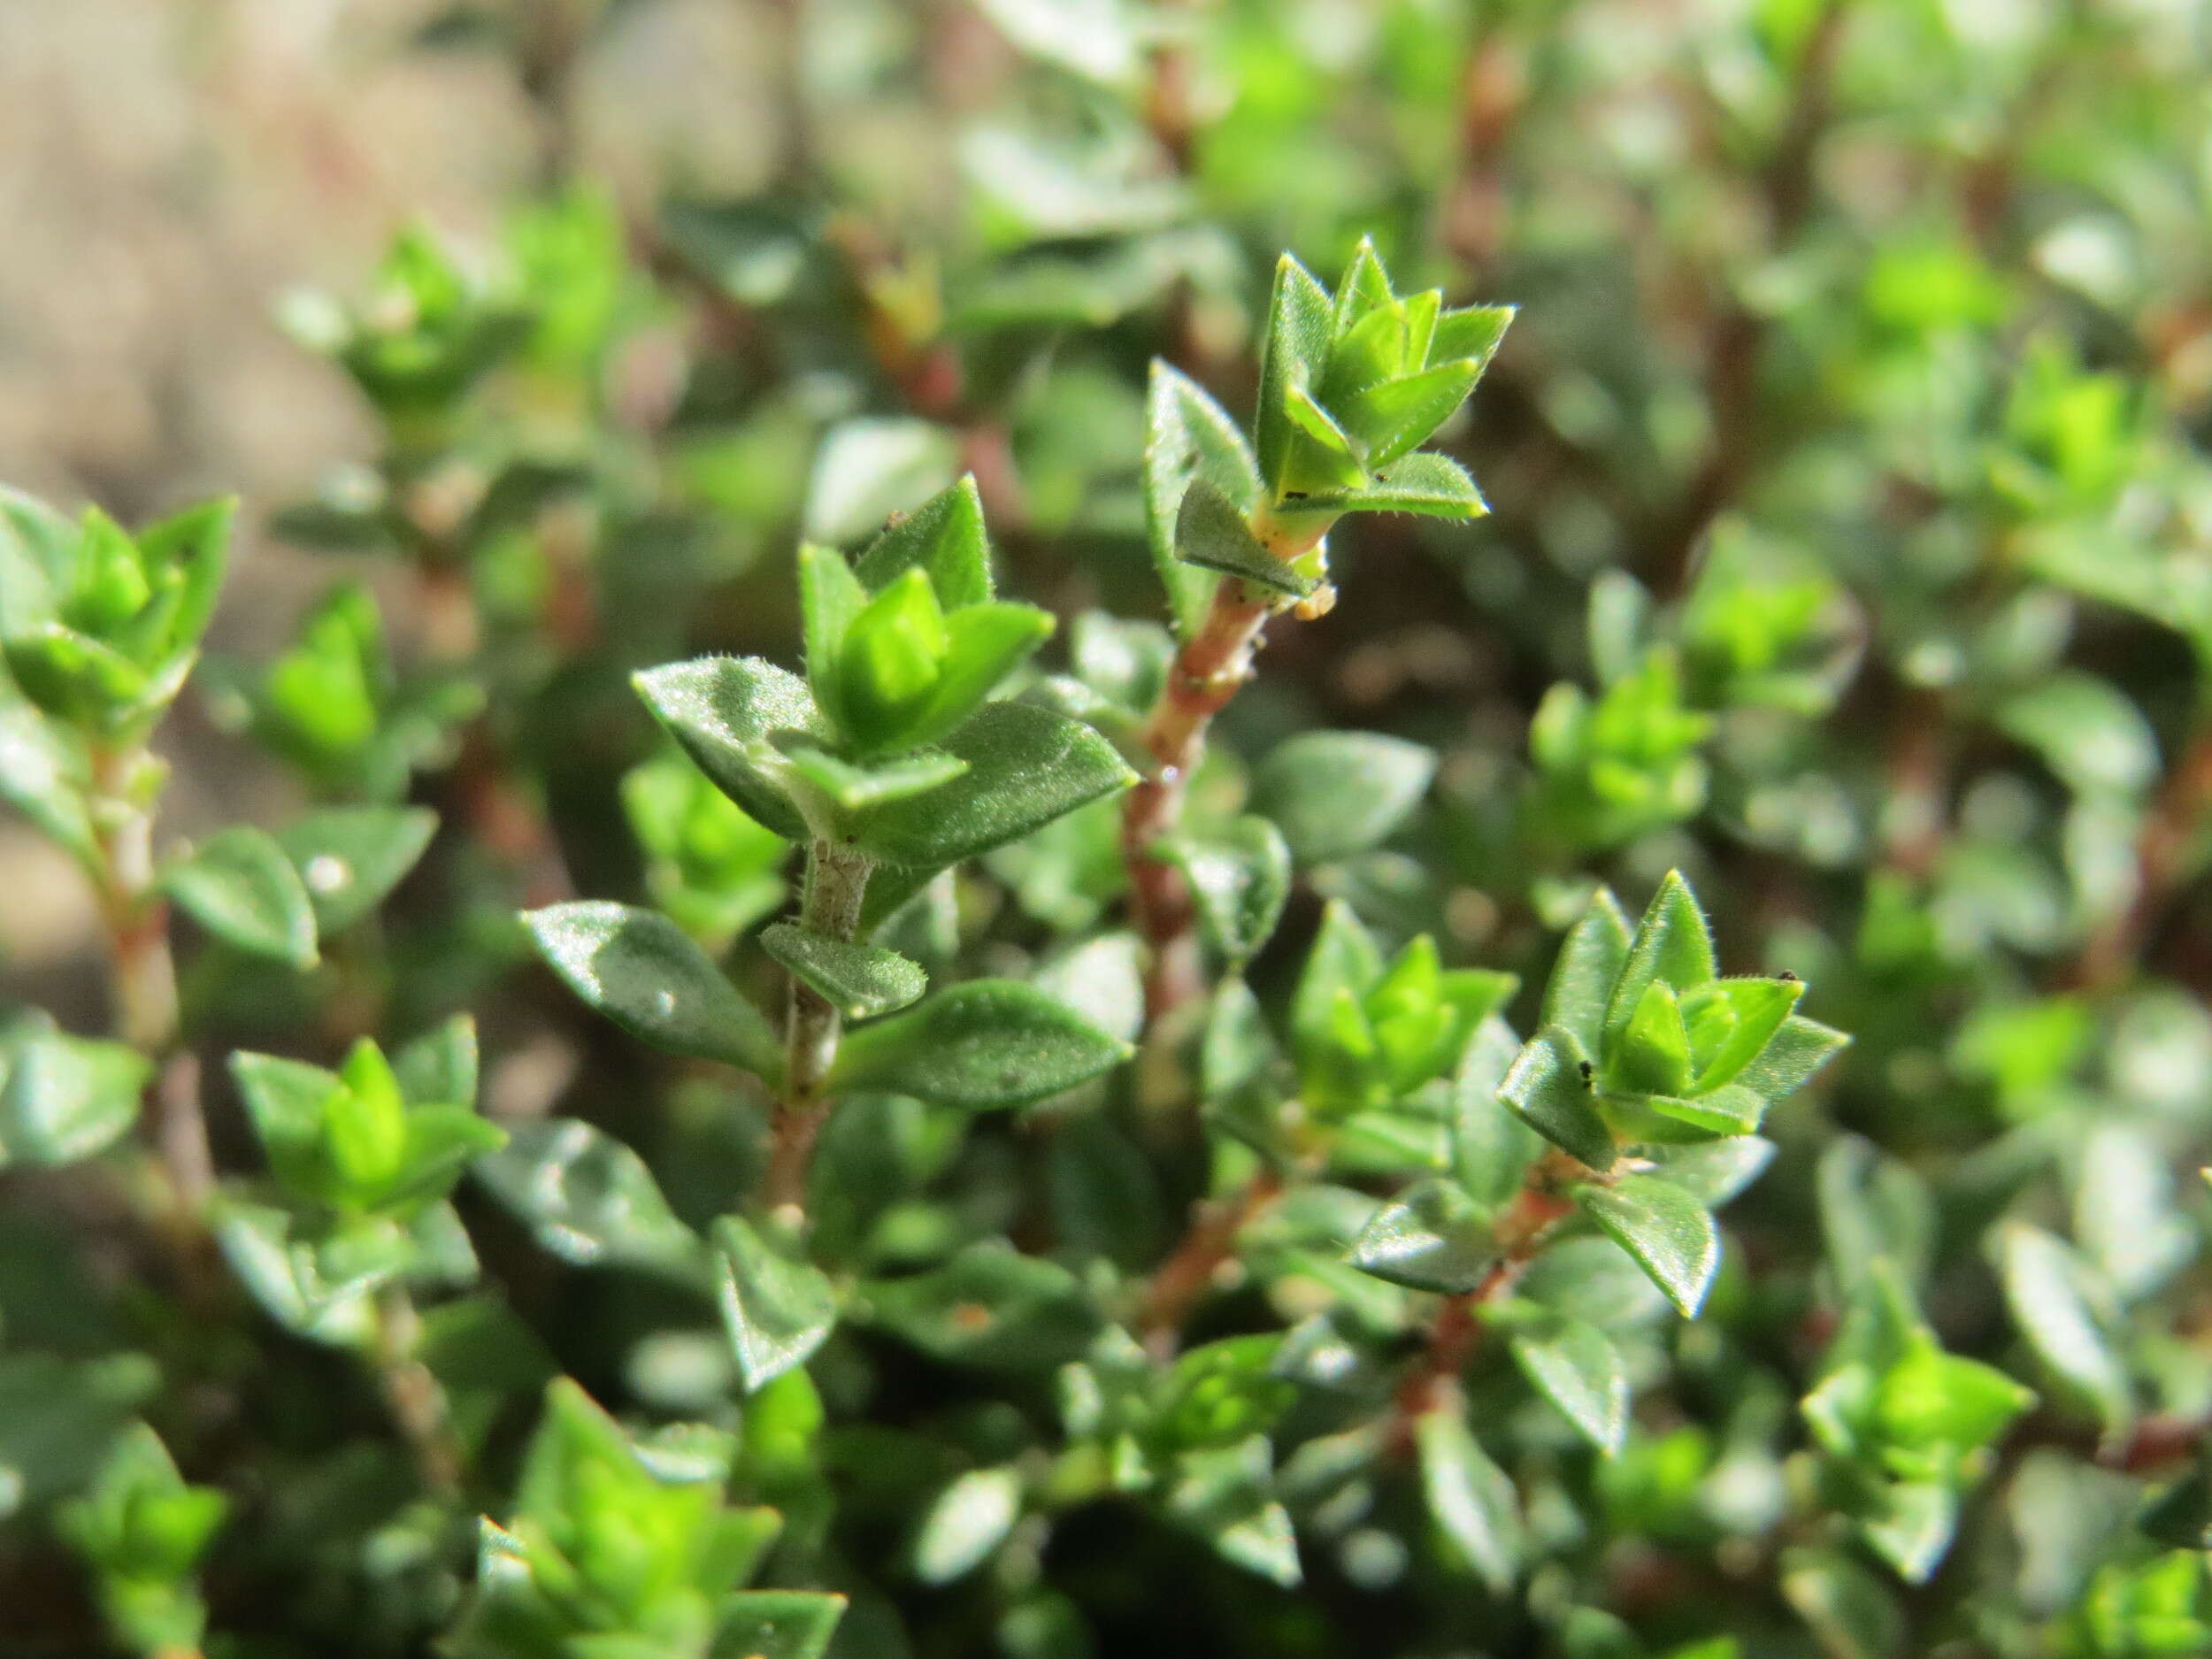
(1185,1277)
(1522,1227)
(1206,673)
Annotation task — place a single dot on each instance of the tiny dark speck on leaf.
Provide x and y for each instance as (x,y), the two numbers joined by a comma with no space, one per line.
(1786,977)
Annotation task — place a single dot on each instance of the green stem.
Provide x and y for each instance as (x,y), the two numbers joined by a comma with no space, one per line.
(835,880)
(142,975)
(415,1398)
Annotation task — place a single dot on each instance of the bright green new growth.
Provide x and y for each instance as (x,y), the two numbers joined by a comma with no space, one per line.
(143,1531)
(1641,1041)
(100,627)
(1074,1153)
(617,1547)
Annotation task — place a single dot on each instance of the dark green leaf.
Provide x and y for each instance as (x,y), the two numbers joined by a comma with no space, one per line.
(777,1624)
(1434,1238)
(863,980)
(2059,1306)
(944,536)
(1855,1615)
(1590,961)
(723,710)
(1470,1500)
(1549,1088)
(589,1200)
(989,1307)
(66,1098)
(641,971)
(350,858)
(983,1046)
(1576,1367)
(1213,533)
(1671,945)
(1241,878)
(240,886)
(1667,1230)
(776,1310)
(439,1068)
(1434,485)
(1189,436)
(1026,766)
(1335,794)
(1294,357)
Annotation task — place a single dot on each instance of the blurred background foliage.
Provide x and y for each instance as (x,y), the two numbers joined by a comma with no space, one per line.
(1848,550)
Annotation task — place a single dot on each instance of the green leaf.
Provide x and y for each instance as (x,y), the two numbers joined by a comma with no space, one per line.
(970,1519)
(588,1200)
(1189,436)
(1732,1021)
(777,1624)
(60,1417)
(1224,1496)
(42,776)
(830,596)
(1492,1147)
(776,1310)
(1590,961)
(1240,880)
(984,1046)
(1394,417)
(1797,1051)
(1671,944)
(68,1098)
(1575,1366)
(722,710)
(862,980)
(1470,1500)
(1026,766)
(2066,1316)
(1548,1089)
(1669,1233)
(351,858)
(1855,1615)
(240,886)
(1434,1237)
(1336,794)
(867,468)
(990,1307)
(1213,533)
(1103,979)
(1472,331)
(854,788)
(1324,459)
(642,972)
(943,536)
(1651,1054)
(439,1068)
(1433,485)
(1343,964)
(2087,731)
(1730,1110)
(1300,328)
(893,653)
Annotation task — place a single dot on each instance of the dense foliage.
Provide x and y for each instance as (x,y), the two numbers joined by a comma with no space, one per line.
(835,1060)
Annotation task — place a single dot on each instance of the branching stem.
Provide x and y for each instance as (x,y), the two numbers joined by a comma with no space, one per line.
(1522,1228)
